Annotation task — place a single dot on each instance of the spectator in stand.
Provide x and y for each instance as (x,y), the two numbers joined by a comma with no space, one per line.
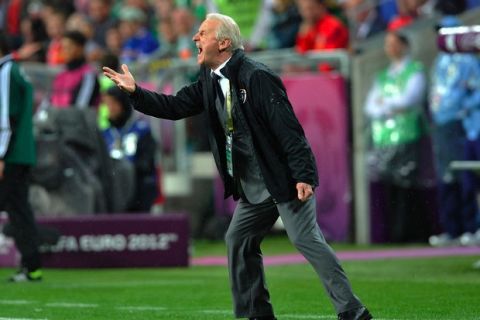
(111,61)
(471,124)
(319,29)
(165,28)
(199,9)
(409,10)
(428,8)
(167,37)
(394,108)
(416,8)
(77,85)
(81,6)
(364,19)
(56,25)
(48,7)
(10,19)
(253,18)
(114,40)
(163,9)
(79,22)
(129,137)
(285,24)
(139,42)
(453,79)
(34,34)
(183,22)
(146,8)
(99,14)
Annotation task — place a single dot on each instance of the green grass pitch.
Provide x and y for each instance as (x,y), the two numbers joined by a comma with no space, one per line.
(394,289)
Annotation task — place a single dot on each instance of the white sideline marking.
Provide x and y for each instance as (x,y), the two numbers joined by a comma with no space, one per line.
(141,308)
(130,284)
(216,311)
(21,319)
(292,316)
(70,305)
(305,316)
(15,302)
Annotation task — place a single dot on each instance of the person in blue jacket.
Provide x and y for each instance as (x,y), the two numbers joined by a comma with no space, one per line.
(471,124)
(452,105)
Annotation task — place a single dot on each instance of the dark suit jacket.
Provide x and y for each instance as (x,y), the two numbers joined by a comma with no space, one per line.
(262,109)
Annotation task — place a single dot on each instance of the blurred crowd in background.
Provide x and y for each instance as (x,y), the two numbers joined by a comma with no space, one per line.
(79,36)
(137,30)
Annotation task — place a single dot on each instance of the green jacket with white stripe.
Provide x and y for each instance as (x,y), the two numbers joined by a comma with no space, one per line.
(17,145)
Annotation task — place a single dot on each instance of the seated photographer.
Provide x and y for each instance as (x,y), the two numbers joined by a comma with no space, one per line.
(130,138)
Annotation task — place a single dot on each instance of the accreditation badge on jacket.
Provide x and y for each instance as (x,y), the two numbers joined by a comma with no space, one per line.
(229,142)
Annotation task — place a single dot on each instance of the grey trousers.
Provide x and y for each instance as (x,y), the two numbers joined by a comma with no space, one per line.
(249,225)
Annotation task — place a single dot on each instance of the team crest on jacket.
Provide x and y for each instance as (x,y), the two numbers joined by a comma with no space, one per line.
(243,95)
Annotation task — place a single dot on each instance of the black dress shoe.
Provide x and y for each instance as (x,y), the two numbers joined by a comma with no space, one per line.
(356,314)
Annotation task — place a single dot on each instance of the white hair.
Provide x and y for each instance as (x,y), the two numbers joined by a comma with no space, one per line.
(228,29)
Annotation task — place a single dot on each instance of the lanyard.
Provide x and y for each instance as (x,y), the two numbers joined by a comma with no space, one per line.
(229,133)
(228,101)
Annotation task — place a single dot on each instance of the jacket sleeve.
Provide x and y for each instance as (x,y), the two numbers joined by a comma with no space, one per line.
(278,115)
(187,102)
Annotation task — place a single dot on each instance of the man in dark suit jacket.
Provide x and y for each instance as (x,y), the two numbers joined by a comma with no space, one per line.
(263,157)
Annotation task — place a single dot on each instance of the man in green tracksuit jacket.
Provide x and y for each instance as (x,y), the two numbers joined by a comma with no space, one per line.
(17,155)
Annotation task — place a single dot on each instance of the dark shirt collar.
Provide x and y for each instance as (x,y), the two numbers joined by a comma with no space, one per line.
(219,69)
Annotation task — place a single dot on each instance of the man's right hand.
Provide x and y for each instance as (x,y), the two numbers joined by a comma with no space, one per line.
(124,81)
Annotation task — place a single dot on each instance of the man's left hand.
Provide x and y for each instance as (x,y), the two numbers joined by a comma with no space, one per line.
(305,191)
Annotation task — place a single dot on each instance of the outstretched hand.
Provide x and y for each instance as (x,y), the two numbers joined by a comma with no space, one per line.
(124,81)
(305,191)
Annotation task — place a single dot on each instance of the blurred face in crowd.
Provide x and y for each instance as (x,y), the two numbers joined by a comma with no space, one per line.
(311,10)
(163,8)
(183,21)
(71,50)
(115,109)
(99,10)
(167,31)
(26,30)
(358,10)
(211,51)
(80,23)
(55,25)
(141,4)
(129,28)
(394,47)
(114,40)
(410,6)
